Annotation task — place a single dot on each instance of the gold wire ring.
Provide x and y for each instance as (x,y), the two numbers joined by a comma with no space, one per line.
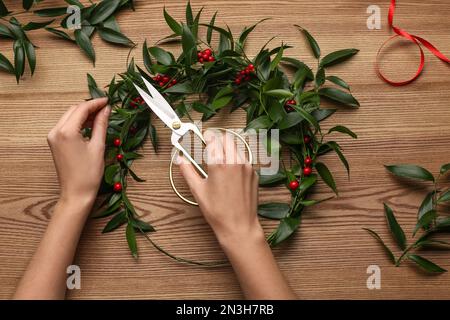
(250,160)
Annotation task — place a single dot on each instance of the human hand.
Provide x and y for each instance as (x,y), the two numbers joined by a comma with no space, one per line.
(228,198)
(79,161)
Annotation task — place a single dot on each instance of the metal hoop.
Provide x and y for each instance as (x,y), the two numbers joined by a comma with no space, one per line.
(250,160)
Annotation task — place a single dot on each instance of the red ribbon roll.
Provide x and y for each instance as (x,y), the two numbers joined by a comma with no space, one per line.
(417,40)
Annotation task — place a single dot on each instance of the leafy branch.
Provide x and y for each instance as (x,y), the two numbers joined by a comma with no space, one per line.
(98,17)
(429,220)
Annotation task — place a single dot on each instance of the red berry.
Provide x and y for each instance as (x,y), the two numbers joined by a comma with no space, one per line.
(201,60)
(133,130)
(247,78)
(251,67)
(308,161)
(158,77)
(174,81)
(117,187)
(211,59)
(119,157)
(205,57)
(208,52)
(165,79)
(293,185)
(242,73)
(199,54)
(288,108)
(237,81)
(117,142)
(161,84)
(307,171)
(307,139)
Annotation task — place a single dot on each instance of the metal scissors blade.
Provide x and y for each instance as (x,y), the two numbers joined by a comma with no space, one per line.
(159,105)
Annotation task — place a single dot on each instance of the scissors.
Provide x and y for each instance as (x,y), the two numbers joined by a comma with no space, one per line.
(164,111)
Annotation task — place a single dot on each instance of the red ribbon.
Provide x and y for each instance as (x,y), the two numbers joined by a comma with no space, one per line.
(417,40)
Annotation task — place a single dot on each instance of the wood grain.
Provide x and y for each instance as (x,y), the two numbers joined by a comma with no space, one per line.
(328,257)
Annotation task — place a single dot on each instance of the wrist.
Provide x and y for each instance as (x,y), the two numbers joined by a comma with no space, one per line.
(253,236)
(78,205)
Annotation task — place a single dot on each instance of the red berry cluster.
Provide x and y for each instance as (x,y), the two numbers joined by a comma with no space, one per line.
(307,170)
(163,80)
(288,105)
(244,74)
(136,102)
(117,187)
(205,56)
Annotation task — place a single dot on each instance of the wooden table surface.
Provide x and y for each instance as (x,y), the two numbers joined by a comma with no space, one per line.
(329,256)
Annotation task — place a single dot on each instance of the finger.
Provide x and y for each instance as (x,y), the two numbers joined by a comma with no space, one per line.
(100,126)
(214,147)
(229,147)
(65,116)
(190,174)
(81,113)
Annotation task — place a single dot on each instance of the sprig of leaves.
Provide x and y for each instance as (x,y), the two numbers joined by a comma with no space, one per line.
(98,17)
(428,220)
(262,96)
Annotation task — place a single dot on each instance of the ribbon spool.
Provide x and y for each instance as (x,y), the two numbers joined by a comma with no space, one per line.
(418,41)
(172,183)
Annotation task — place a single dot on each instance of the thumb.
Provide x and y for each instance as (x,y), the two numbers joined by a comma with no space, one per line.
(100,126)
(190,174)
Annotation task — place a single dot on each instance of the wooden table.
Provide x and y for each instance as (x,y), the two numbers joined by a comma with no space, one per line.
(329,256)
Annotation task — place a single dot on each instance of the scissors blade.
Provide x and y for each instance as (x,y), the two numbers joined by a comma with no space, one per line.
(161,108)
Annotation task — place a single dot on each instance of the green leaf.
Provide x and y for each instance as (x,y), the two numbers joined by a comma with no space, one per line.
(299,66)
(395,228)
(339,96)
(5,64)
(277,59)
(189,45)
(19,59)
(272,180)
(172,23)
(312,42)
(109,211)
(322,114)
(326,176)
(312,202)
(425,220)
(111,173)
(445,168)
(343,129)
(113,36)
(51,12)
(262,122)
(146,57)
(111,23)
(84,42)
(337,57)
(426,205)
(385,247)
(135,176)
(5,32)
(410,171)
(243,36)
(27,4)
(31,55)
(289,120)
(273,210)
(279,93)
(221,102)
(131,239)
(142,226)
(307,116)
(59,33)
(37,25)
(338,81)
(444,197)
(161,55)
(210,29)
(426,264)
(285,229)
(442,223)
(182,87)
(320,77)
(116,221)
(3,10)
(337,148)
(103,11)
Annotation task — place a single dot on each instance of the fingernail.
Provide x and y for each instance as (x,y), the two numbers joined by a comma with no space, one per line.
(107,110)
